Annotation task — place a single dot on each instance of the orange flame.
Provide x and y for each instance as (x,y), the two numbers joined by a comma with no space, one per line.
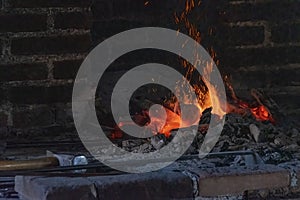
(164,121)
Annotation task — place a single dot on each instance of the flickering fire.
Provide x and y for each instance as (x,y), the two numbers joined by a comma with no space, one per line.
(161,120)
(165,119)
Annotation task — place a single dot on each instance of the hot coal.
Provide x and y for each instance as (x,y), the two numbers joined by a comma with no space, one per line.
(274,143)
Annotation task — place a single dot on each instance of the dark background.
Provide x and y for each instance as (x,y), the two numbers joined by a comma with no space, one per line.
(42,44)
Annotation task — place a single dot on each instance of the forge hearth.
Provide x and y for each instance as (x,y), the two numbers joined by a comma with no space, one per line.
(255,45)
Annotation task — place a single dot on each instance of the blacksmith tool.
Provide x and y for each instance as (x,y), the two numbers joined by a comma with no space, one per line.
(51,160)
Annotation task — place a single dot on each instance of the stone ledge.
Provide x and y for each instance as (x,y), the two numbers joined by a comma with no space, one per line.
(54,188)
(164,184)
(236,180)
(155,185)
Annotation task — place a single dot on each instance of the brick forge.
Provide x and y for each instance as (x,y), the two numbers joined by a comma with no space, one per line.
(44,42)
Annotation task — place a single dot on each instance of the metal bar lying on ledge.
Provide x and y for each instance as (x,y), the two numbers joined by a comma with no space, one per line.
(106,169)
(226,153)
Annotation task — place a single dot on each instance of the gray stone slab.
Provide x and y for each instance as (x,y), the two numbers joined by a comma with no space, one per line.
(155,185)
(54,188)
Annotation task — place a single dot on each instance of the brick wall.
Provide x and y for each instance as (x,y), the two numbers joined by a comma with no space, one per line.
(42,44)
(267,57)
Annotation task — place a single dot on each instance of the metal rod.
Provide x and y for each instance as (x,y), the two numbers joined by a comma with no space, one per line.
(106,169)
(12,145)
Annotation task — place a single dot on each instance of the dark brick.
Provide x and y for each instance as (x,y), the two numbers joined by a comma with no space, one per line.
(155,8)
(32,117)
(24,22)
(63,114)
(153,185)
(114,26)
(51,3)
(51,45)
(104,29)
(58,129)
(19,72)
(3,119)
(275,10)
(2,46)
(72,20)
(102,10)
(287,101)
(66,69)
(259,56)
(40,94)
(236,35)
(265,78)
(116,16)
(286,33)
(125,9)
(3,95)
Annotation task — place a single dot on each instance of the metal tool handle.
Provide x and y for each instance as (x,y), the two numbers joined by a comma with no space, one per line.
(11,165)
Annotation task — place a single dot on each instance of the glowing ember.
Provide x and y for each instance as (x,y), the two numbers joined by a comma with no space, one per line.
(262,113)
(116,133)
